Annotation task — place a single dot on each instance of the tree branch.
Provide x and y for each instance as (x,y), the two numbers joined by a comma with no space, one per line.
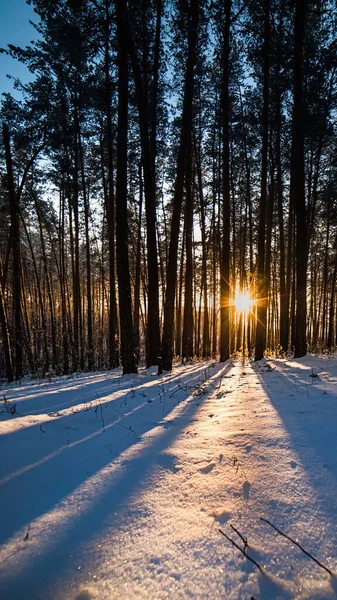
(297,544)
(240,549)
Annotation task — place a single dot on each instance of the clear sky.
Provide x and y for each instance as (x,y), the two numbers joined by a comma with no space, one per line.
(14,29)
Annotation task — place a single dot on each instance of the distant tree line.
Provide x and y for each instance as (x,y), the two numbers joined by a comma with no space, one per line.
(166,156)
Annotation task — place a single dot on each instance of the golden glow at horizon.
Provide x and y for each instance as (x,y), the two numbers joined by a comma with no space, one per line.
(243,302)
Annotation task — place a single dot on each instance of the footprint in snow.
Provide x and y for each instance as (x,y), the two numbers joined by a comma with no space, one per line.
(221,516)
(208,468)
(246,490)
(169,462)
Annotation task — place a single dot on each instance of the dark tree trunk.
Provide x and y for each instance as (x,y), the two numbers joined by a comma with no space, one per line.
(90,348)
(179,298)
(76,254)
(187,345)
(261,323)
(110,201)
(269,230)
(40,300)
(330,341)
(148,158)
(224,262)
(284,306)
(124,287)
(214,243)
(297,177)
(138,269)
(16,252)
(206,350)
(63,275)
(5,340)
(48,283)
(167,342)
(325,275)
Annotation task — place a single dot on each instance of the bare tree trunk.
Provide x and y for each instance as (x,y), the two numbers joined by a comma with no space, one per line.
(90,349)
(49,289)
(74,201)
(136,308)
(297,187)
(40,301)
(16,270)
(110,200)
(330,341)
(261,323)
(63,276)
(187,345)
(206,350)
(179,298)
(167,341)
(269,228)
(5,340)
(124,287)
(224,262)
(325,275)
(148,159)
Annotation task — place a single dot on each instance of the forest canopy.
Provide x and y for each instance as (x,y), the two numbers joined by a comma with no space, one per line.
(169,185)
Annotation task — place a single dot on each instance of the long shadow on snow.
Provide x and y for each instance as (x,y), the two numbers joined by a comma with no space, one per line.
(34,399)
(61,433)
(58,476)
(103,503)
(126,398)
(304,409)
(28,392)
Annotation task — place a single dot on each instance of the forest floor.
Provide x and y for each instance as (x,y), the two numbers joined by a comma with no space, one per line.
(116,487)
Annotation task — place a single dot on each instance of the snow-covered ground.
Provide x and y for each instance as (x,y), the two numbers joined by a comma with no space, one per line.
(117,487)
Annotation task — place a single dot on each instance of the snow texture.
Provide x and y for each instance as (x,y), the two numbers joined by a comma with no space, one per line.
(117,486)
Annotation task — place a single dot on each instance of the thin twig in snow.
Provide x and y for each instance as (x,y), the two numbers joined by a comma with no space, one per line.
(26,534)
(130,430)
(242,537)
(240,549)
(238,466)
(101,411)
(100,405)
(297,544)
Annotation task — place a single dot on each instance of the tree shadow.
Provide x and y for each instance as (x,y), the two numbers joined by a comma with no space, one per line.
(308,412)
(59,433)
(55,484)
(31,399)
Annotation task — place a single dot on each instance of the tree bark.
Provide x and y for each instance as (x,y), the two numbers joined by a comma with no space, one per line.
(225,249)
(124,286)
(5,340)
(16,252)
(297,178)
(261,322)
(110,200)
(167,341)
(148,159)
(187,345)
(136,308)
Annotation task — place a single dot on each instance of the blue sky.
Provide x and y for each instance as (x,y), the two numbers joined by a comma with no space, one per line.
(14,29)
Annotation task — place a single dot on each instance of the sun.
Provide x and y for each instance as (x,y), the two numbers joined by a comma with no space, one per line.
(243,301)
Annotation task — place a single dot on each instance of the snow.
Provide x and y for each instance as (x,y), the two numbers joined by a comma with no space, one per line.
(117,486)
